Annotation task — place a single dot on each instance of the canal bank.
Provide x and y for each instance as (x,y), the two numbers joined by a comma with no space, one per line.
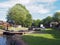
(1,32)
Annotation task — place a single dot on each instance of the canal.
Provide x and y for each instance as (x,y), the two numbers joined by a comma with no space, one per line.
(3,40)
(10,40)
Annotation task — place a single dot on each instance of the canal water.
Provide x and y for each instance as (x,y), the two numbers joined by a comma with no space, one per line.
(3,40)
(10,40)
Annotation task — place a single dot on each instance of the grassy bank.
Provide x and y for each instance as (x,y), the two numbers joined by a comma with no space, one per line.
(49,37)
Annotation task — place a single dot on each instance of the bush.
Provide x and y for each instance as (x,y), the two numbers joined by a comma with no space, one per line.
(1,27)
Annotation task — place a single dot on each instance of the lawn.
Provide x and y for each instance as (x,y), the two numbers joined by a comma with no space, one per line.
(48,37)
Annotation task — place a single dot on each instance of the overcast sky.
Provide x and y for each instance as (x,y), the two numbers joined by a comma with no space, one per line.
(39,9)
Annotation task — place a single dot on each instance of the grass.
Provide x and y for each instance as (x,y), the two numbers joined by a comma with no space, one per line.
(49,37)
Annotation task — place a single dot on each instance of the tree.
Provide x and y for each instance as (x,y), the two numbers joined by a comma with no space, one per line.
(47,21)
(19,13)
(28,21)
(36,23)
(56,17)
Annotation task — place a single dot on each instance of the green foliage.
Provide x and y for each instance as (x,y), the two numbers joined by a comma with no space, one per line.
(56,16)
(36,23)
(47,21)
(1,27)
(28,21)
(19,13)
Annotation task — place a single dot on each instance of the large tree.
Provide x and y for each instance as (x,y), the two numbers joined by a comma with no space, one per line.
(28,21)
(19,14)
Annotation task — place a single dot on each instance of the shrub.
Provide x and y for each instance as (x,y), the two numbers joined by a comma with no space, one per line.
(1,27)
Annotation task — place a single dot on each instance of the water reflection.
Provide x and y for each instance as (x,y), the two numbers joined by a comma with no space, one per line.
(14,40)
(2,40)
(7,40)
(11,40)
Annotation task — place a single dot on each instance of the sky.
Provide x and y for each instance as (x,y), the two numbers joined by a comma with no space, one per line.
(39,9)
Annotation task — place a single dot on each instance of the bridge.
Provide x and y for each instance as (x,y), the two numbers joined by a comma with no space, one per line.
(13,33)
(21,32)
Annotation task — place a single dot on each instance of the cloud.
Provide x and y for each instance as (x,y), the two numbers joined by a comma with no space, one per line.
(24,2)
(42,7)
(57,10)
(44,1)
(3,15)
(11,3)
(44,11)
(4,5)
